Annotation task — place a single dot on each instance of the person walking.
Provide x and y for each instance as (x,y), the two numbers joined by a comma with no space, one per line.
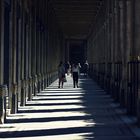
(79,66)
(86,67)
(67,67)
(61,74)
(75,74)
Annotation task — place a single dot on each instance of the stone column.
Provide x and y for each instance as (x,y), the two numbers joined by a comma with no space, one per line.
(23,96)
(13,43)
(116,8)
(44,62)
(48,58)
(46,44)
(19,53)
(45,59)
(44,6)
(109,31)
(38,57)
(42,58)
(48,53)
(2,105)
(2,111)
(136,49)
(34,57)
(129,46)
(26,56)
(30,57)
(106,52)
(123,52)
(117,48)
(108,67)
(1,40)
(19,29)
(112,26)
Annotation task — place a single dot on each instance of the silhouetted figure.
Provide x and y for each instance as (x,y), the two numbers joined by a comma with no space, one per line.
(86,67)
(75,74)
(67,67)
(79,66)
(61,74)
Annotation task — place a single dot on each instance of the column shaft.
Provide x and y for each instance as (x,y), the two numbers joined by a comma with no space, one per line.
(14,49)
(2,111)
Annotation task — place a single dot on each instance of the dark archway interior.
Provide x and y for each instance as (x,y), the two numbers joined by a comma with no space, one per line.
(77,52)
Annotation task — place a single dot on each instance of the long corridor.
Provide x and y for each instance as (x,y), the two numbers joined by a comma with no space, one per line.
(84,113)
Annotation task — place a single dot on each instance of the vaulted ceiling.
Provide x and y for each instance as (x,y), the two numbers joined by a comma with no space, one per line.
(76,17)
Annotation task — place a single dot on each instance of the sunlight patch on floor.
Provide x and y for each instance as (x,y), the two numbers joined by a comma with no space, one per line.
(52,114)
(58,101)
(61,93)
(77,136)
(56,107)
(54,126)
(60,97)
(64,90)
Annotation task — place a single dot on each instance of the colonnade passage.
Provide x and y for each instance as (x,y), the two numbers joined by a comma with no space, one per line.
(35,35)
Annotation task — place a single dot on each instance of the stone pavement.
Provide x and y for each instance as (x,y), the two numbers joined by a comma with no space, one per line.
(84,113)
